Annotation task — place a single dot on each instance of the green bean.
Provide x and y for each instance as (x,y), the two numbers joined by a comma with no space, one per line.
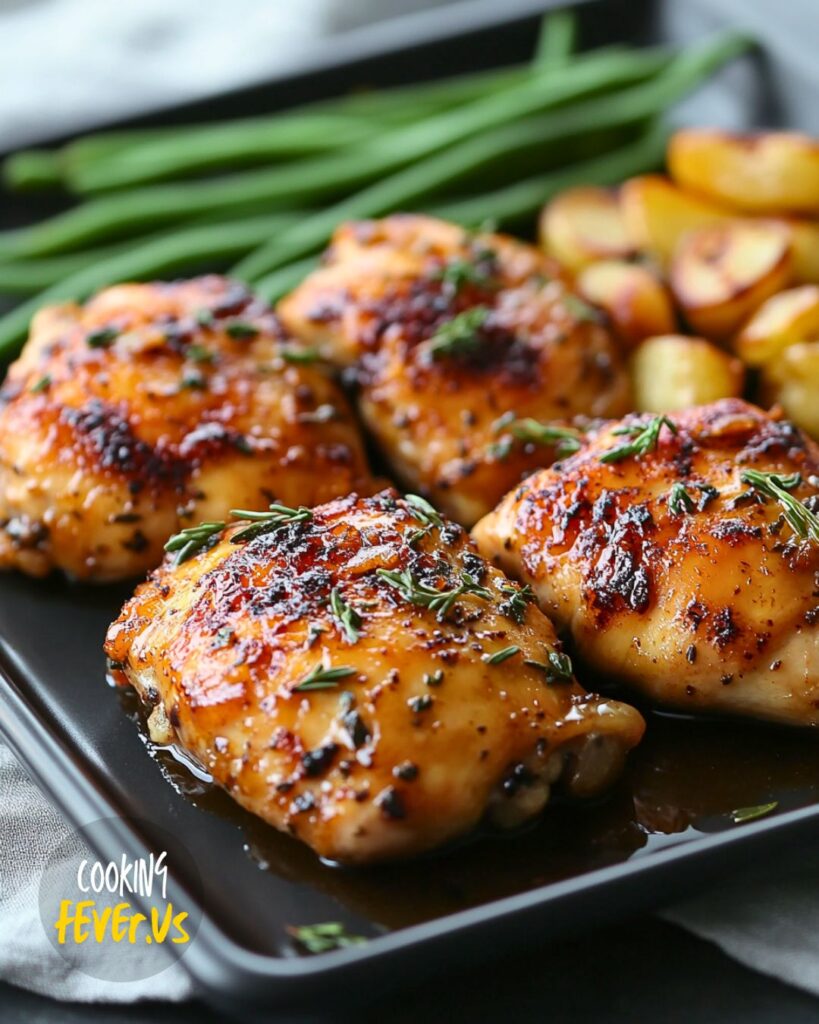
(196,246)
(557,37)
(422,179)
(514,203)
(309,181)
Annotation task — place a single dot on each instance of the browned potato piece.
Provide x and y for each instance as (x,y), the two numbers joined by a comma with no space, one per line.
(805,246)
(675,372)
(792,381)
(584,224)
(638,305)
(783,320)
(769,172)
(721,274)
(658,214)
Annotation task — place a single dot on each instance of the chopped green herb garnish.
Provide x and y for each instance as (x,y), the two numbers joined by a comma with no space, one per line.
(680,501)
(347,618)
(644,439)
(457,274)
(499,656)
(265,522)
(193,382)
(222,638)
(321,938)
(321,678)
(41,385)
(557,667)
(440,601)
(291,354)
(459,335)
(799,517)
(102,338)
(240,330)
(514,607)
(743,814)
(204,317)
(422,510)
(192,539)
(565,440)
(199,354)
(500,450)
(582,310)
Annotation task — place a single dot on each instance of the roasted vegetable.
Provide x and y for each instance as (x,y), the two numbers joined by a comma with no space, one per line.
(785,319)
(582,225)
(676,372)
(637,303)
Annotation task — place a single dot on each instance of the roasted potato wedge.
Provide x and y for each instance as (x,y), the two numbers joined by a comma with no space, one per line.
(784,319)
(676,371)
(722,273)
(768,172)
(657,215)
(805,245)
(792,381)
(637,303)
(582,225)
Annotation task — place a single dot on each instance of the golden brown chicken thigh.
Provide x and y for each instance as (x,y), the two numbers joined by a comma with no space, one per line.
(465,347)
(155,406)
(682,556)
(358,676)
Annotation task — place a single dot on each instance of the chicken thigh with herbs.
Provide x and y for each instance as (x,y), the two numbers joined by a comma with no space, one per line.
(358,676)
(681,554)
(154,406)
(471,352)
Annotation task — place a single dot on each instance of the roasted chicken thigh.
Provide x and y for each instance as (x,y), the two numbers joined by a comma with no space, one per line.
(155,406)
(681,555)
(471,352)
(359,677)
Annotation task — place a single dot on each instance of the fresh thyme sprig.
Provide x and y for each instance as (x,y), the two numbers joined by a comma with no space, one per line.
(514,607)
(421,594)
(321,938)
(322,678)
(565,440)
(458,273)
(422,510)
(679,500)
(459,335)
(500,656)
(644,439)
(557,667)
(347,618)
(191,540)
(265,522)
(799,517)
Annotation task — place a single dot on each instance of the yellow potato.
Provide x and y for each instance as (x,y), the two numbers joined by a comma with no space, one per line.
(805,245)
(658,214)
(721,274)
(638,305)
(783,320)
(676,371)
(584,224)
(792,381)
(770,172)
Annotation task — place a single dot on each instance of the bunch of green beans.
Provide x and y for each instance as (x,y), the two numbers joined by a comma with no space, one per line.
(265,193)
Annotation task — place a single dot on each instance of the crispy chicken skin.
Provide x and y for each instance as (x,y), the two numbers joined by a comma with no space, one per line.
(156,405)
(415,735)
(386,290)
(704,601)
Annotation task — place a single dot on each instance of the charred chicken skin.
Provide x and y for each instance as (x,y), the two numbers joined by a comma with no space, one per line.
(155,406)
(681,554)
(468,351)
(359,677)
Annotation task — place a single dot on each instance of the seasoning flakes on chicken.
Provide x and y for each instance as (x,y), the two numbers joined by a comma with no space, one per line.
(681,554)
(471,352)
(358,676)
(154,406)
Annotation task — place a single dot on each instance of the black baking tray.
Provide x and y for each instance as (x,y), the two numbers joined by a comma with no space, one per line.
(664,831)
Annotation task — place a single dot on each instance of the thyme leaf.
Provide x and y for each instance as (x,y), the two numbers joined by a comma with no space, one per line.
(192,540)
(425,596)
(500,656)
(565,440)
(743,814)
(266,522)
(322,678)
(459,335)
(644,439)
(557,668)
(799,517)
(347,618)
(680,501)
(514,607)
